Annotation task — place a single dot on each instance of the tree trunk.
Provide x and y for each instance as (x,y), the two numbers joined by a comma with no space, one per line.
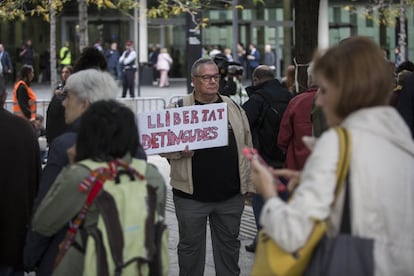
(53,75)
(382,25)
(83,24)
(287,37)
(402,35)
(306,37)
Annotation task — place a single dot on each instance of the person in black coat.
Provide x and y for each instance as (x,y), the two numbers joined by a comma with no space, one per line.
(405,105)
(55,115)
(265,86)
(20,170)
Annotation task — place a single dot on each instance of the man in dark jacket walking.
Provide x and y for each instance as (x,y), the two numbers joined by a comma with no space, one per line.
(20,170)
(265,90)
(6,66)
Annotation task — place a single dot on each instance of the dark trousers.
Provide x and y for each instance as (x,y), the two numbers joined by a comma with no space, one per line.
(10,271)
(128,83)
(224,218)
(257,205)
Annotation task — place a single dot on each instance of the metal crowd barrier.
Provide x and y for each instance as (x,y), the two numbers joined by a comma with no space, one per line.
(240,99)
(144,104)
(174,99)
(41,106)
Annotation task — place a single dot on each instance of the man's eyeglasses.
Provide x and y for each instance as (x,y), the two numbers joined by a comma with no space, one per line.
(207,78)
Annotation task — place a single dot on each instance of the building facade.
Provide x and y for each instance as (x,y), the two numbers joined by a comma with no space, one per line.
(269,23)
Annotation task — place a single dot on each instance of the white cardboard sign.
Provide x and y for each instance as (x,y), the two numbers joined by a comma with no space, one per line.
(169,130)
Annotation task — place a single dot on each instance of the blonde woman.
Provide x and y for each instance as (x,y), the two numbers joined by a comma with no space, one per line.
(164,63)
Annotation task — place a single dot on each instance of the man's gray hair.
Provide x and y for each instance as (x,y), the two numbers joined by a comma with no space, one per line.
(198,63)
(92,85)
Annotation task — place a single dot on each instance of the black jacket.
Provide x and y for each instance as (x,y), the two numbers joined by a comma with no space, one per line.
(40,251)
(55,118)
(20,170)
(256,104)
(405,105)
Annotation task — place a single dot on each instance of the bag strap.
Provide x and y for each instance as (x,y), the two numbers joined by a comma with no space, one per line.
(344,159)
(346,211)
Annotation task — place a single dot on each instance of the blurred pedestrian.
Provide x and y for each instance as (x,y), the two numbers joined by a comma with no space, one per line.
(65,56)
(296,124)
(405,105)
(112,57)
(164,63)
(288,80)
(265,93)
(90,58)
(27,53)
(6,66)
(24,98)
(269,57)
(355,84)
(253,59)
(44,66)
(98,45)
(153,57)
(129,67)
(55,114)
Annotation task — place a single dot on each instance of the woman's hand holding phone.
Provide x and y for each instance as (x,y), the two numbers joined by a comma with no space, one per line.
(257,162)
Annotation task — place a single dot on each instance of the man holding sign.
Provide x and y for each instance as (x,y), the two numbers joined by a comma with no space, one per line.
(210,183)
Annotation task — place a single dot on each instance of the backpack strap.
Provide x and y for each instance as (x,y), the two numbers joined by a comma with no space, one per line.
(73,229)
(109,213)
(102,263)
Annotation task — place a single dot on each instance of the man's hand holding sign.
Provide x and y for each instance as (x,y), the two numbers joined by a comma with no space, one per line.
(188,128)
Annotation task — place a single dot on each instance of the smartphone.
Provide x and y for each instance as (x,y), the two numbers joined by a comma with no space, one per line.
(252,154)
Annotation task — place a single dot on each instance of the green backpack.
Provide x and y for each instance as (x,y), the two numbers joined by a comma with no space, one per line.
(130,237)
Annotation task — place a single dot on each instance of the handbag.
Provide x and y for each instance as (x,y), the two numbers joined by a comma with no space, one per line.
(271,259)
(344,254)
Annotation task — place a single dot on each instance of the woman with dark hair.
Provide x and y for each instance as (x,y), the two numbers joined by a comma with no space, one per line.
(55,115)
(107,131)
(24,98)
(90,58)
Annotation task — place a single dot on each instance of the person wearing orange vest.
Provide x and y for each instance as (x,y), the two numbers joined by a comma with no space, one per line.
(24,98)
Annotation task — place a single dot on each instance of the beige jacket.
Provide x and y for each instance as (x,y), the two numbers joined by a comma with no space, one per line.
(181,174)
